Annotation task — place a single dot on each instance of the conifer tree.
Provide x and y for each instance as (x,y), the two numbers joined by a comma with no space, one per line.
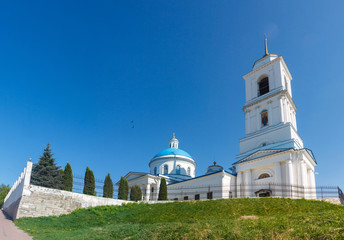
(45,172)
(123,189)
(162,190)
(68,178)
(59,183)
(135,193)
(108,187)
(89,183)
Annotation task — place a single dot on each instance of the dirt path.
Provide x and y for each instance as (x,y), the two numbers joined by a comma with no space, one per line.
(9,231)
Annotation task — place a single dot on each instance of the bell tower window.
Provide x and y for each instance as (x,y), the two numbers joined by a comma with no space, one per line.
(263,86)
(264,118)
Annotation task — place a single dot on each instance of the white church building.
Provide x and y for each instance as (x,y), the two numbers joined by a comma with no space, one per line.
(272,159)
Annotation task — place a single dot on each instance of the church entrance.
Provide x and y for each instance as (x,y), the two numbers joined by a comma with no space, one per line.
(264,193)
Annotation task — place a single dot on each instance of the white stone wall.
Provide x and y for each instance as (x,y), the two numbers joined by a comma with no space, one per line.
(11,201)
(25,200)
(41,201)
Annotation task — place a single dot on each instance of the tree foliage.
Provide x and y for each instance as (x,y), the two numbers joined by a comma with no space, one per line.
(89,183)
(162,190)
(68,178)
(4,189)
(60,179)
(45,173)
(135,193)
(123,189)
(108,187)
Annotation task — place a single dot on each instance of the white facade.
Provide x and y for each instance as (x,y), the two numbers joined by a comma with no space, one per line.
(272,159)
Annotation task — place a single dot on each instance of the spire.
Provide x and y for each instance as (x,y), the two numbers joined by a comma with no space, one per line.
(266,46)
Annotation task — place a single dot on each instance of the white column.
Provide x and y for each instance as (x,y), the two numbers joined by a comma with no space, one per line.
(278,179)
(290,178)
(258,120)
(247,119)
(147,192)
(281,109)
(304,176)
(239,182)
(270,113)
(248,183)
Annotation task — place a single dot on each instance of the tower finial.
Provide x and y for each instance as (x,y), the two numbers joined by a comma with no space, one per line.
(266,46)
(174,135)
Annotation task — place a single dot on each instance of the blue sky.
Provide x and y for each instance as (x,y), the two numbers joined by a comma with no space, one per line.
(75,73)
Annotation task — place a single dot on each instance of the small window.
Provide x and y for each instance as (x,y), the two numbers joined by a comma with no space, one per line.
(178,169)
(189,171)
(197,197)
(263,86)
(264,118)
(152,190)
(175,199)
(264,175)
(186,198)
(155,170)
(209,195)
(165,169)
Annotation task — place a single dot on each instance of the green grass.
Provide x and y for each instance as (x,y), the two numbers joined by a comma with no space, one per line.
(273,218)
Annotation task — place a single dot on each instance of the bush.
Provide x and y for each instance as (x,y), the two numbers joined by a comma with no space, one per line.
(123,189)
(4,189)
(89,183)
(162,190)
(108,187)
(68,178)
(135,193)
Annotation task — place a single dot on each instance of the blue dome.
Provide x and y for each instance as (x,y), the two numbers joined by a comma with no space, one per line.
(172,151)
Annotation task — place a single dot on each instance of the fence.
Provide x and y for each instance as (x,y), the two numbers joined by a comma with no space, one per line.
(219,191)
(254,190)
(78,186)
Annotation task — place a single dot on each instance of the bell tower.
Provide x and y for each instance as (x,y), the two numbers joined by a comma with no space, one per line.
(270,119)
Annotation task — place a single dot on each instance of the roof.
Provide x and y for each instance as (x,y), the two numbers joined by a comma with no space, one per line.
(172,151)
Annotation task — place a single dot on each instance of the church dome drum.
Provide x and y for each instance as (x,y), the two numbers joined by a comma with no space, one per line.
(173,162)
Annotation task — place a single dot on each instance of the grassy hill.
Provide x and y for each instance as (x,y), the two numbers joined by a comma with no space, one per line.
(260,218)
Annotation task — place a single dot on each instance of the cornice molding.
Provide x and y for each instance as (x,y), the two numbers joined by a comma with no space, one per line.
(283,93)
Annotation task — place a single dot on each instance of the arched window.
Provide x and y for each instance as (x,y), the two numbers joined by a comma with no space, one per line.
(165,169)
(263,86)
(264,175)
(178,169)
(155,171)
(189,171)
(264,118)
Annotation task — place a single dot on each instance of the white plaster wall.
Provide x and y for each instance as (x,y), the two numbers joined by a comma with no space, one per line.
(302,188)
(274,68)
(271,135)
(221,184)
